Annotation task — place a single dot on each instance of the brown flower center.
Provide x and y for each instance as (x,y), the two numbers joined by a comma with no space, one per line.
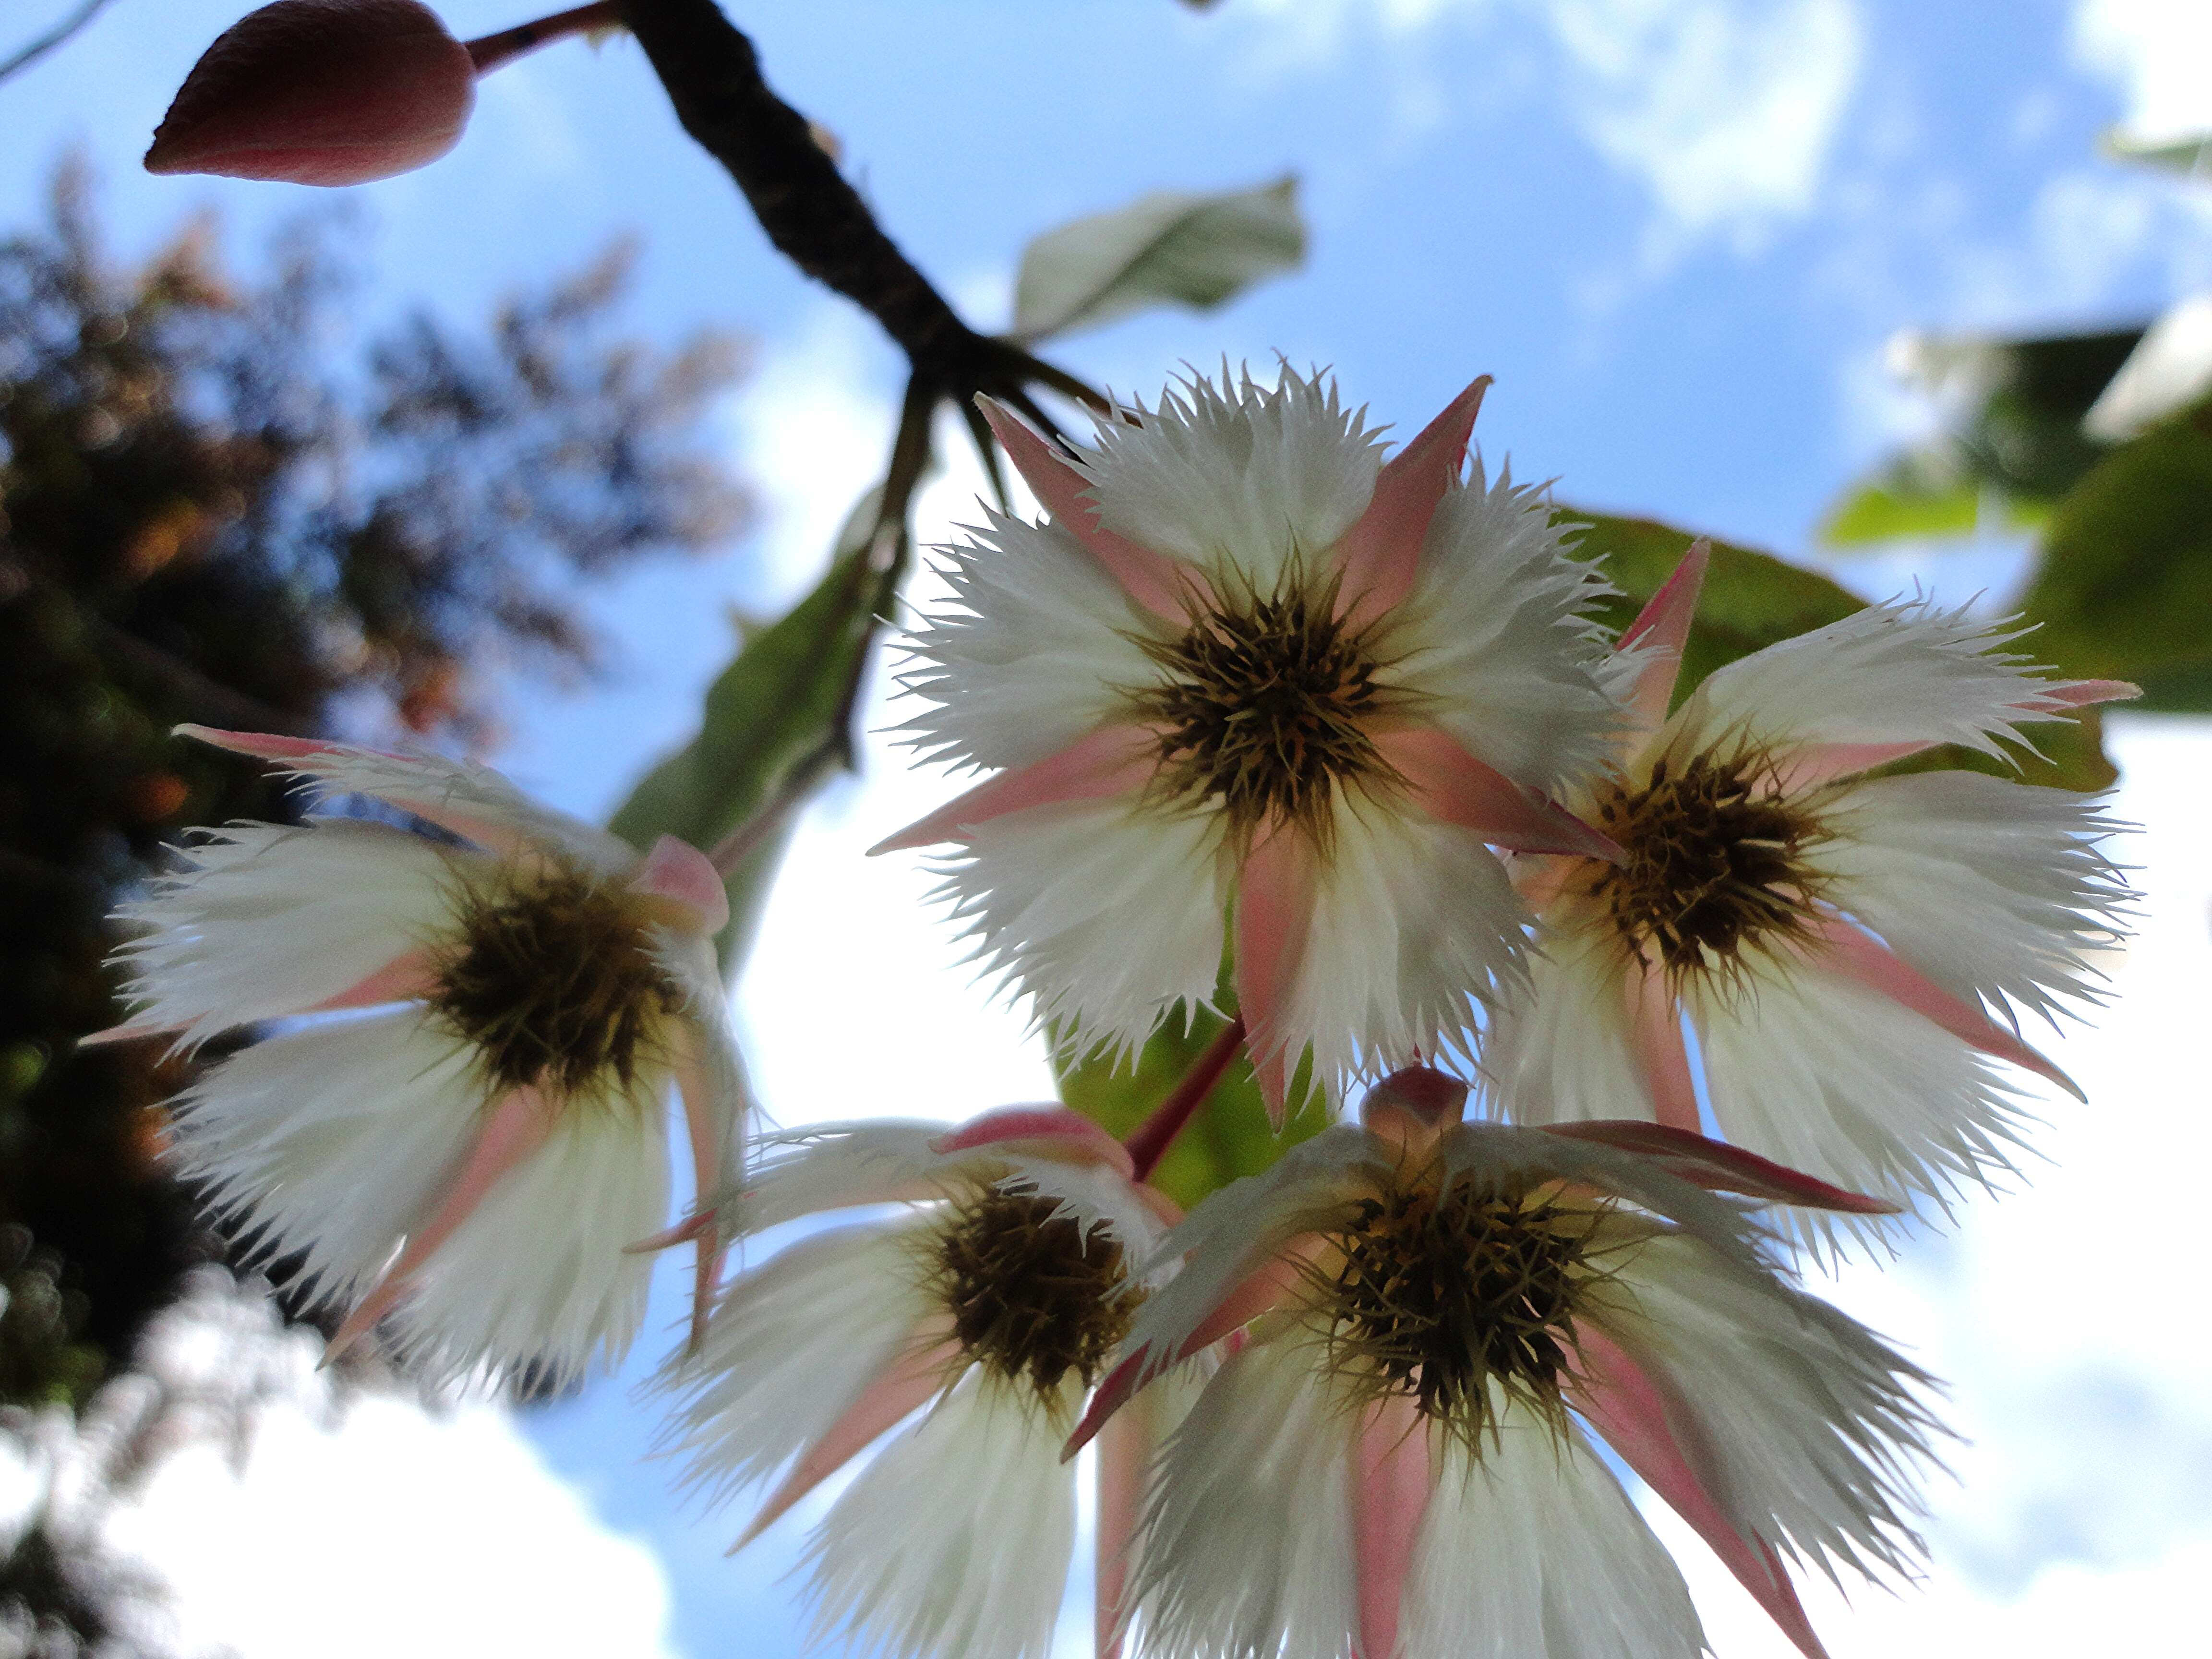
(1031,1294)
(1716,862)
(552,979)
(1463,1298)
(1266,706)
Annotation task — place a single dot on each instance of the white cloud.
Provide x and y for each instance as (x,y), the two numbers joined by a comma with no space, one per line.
(272,1515)
(2159,53)
(1726,110)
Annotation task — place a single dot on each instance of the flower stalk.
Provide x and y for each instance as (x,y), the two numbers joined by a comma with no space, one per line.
(1149,1141)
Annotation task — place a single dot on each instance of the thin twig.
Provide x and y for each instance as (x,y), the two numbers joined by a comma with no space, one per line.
(487,52)
(1149,1141)
(53,37)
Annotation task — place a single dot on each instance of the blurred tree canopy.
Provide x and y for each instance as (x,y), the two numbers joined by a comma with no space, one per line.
(210,512)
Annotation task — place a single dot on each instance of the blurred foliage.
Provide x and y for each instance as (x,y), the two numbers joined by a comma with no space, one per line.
(203,518)
(768,715)
(2124,587)
(1167,247)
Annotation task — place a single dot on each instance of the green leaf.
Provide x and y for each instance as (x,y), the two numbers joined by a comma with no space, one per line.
(1751,599)
(1228,1139)
(2191,156)
(2124,590)
(773,707)
(1903,500)
(1161,248)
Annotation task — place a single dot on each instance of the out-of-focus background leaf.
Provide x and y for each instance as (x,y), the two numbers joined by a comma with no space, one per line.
(776,704)
(1167,247)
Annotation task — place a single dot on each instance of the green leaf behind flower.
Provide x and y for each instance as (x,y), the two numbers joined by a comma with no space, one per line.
(1753,600)
(1166,247)
(775,705)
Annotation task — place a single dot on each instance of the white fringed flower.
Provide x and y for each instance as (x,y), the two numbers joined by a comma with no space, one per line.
(1396,1461)
(1246,668)
(473,1150)
(1852,951)
(992,1302)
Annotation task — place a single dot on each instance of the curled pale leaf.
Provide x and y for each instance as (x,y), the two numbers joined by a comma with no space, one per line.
(1166,247)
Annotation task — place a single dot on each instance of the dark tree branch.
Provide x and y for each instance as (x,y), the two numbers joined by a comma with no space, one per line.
(53,37)
(815,218)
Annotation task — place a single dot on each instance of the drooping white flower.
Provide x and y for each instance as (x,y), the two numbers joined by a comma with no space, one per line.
(1249,669)
(1395,1460)
(988,1306)
(1852,951)
(472,1150)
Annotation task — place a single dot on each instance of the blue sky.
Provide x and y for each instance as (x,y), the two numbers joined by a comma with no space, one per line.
(1678,234)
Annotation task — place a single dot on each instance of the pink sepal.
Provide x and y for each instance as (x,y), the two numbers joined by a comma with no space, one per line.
(1274,915)
(1114,760)
(928,1360)
(679,873)
(1655,1030)
(1857,955)
(1663,627)
(1044,1130)
(707,1120)
(1125,1450)
(2079,694)
(1817,763)
(1164,586)
(1379,556)
(1454,787)
(1661,1440)
(1719,1167)
(513,1131)
(1392,1477)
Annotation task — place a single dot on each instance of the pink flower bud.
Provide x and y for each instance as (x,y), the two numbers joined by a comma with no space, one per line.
(320,92)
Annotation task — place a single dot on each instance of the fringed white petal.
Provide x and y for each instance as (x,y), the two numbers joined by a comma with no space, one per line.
(1032,653)
(791,1346)
(1561,1050)
(1239,1228)
(536,1275)
(1107,915)
(1495,639)
(1995,890)
(1891,673)
(1811,1425)
(268,919)
(1535,1550)
(438,784)
(955,1540)
(836,1166)
(1094,1198)
(1240,476)
(1247,1533)
(332,1140)
(1416,930)
(1823,1074)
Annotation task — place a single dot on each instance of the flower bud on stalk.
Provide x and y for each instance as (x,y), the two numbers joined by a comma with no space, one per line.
(337,92)
(320,92)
